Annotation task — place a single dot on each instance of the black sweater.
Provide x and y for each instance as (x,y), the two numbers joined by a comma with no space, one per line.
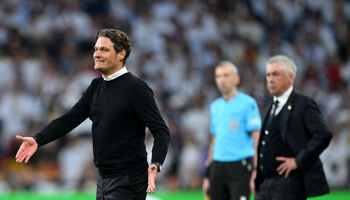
(120,110)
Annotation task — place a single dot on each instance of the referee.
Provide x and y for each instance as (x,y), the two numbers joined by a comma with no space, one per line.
(235,124)
(120,106)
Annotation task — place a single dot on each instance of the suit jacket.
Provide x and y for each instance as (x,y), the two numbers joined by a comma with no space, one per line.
(306,133)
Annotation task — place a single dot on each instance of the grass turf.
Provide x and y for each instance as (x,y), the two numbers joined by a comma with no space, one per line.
(161,195)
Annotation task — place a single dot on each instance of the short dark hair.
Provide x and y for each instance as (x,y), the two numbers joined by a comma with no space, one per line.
(120,40)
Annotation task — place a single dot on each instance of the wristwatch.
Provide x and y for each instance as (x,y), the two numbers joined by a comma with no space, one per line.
(159,166)
(36,140)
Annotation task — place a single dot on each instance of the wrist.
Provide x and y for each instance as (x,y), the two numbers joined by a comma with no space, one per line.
(207,171)
(36,140)
(159,166)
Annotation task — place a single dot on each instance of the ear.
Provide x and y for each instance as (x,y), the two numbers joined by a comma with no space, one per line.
(237,79)
(121,55)
(291,77)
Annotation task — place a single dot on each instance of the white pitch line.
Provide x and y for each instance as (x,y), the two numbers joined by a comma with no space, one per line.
(152,198)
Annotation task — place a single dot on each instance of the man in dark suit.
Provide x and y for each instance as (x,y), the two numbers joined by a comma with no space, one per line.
(292,137)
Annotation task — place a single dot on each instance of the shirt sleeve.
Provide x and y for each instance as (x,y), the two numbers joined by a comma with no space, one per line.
(212,123)
(67,122)
(253,121)
(147,110)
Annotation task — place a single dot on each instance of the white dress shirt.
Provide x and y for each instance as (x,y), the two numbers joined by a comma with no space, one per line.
(282,100)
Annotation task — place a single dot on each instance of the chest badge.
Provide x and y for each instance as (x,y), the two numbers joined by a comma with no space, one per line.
(234,124)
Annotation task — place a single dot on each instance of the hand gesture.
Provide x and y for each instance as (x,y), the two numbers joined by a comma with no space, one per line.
(288,165)
(152,173)
(27,149)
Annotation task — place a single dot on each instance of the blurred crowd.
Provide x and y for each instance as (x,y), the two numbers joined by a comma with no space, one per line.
(46,52)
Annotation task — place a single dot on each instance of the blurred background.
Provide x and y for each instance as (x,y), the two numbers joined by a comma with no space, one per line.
(46,63)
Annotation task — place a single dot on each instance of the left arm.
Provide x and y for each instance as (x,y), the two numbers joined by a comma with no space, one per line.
(255,136)
(147,110)
(320,136)
(254,126)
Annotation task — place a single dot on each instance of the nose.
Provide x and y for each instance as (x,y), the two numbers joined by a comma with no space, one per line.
(269,79)
(219,80)
(96,54)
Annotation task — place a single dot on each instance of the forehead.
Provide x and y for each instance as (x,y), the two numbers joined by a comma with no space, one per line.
(274,67)
(104,42)
(224,69)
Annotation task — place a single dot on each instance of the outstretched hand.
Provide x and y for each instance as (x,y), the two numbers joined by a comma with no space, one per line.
(27,149)
(152,173)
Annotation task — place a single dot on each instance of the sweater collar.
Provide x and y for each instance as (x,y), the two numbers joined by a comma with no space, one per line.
(115,74)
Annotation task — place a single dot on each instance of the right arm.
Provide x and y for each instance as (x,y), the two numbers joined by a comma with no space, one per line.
(210,153)
(206,183)
(67,122)
(57,128)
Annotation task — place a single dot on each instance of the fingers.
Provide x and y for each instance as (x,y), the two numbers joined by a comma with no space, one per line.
(19,152)
(206,186)
(281,169)
(151,185)
(252,186)
(284,168)
(287,173)
(21,158)
(151,188)
(280,158)
(27,159)
(152,173)
(18,137)
(23,155)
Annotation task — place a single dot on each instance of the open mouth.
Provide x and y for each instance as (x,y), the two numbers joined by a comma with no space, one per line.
(99,61)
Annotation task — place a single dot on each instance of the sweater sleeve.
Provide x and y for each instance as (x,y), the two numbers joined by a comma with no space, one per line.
(146,108)
(67,122)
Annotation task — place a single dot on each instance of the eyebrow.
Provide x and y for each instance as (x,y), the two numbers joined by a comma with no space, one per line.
(273,72)
(101,47)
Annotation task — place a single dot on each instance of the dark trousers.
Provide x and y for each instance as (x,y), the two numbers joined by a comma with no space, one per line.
(230,180)
(278,187)
(128,186)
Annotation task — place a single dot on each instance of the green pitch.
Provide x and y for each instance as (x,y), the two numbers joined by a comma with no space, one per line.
(160,195)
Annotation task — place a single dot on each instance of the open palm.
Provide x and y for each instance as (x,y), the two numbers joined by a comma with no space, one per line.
(27,149)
